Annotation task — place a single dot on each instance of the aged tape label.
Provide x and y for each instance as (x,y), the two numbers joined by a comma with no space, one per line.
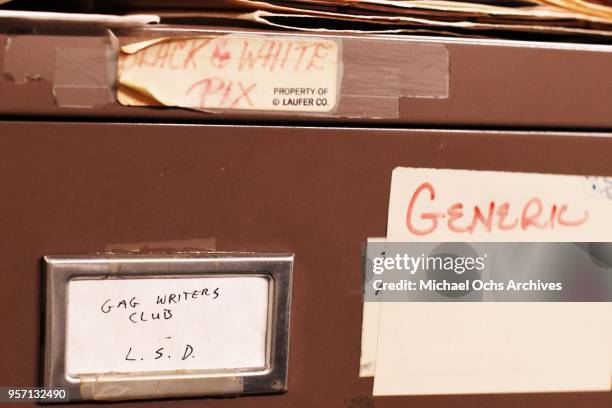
(237,72)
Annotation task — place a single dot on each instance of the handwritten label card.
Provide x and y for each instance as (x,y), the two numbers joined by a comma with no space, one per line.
(458,348)
(165,324)
(236,72)
(446,205)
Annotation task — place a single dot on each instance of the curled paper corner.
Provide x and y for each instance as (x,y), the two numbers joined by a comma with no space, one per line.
(130,92)
(137,46)
(130,97)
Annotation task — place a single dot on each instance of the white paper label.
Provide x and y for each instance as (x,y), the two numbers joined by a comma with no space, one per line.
(153,325)
(237,72)
(446,205)
(474,348)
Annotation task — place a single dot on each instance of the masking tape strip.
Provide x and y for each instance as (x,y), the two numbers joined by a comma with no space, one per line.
(109,387)
(196,245)
(377,73)
(81,68)
(378,67)
(371,74)
(371,107)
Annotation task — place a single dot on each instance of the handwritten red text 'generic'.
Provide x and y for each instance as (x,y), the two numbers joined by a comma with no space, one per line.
(532,214)
(248,54)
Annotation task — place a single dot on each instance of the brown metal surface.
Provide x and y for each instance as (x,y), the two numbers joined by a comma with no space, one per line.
(517,85)
(318,193)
